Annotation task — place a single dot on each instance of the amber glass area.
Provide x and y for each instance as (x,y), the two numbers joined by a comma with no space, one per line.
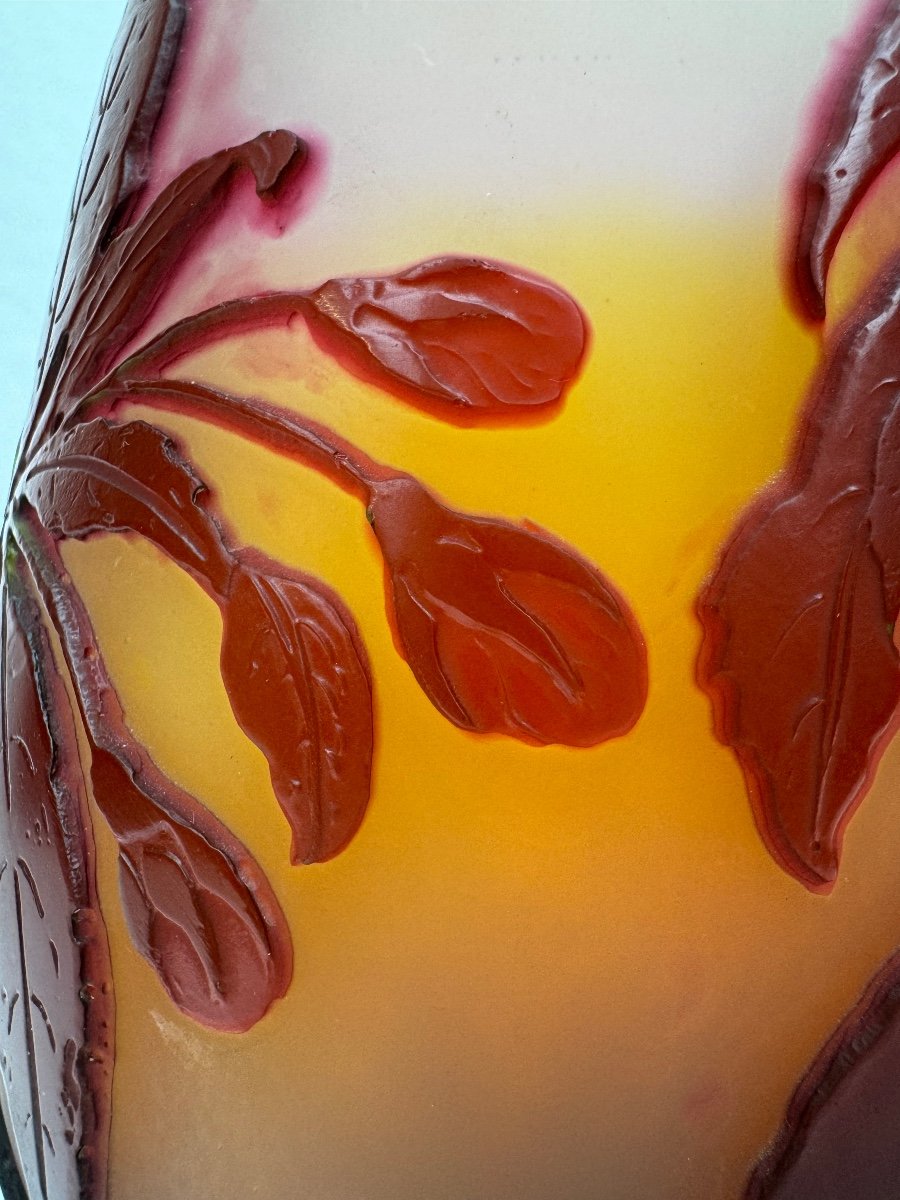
(595,968)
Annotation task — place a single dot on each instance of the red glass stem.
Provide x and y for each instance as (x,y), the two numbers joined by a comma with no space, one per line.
(212,325)
(287,433)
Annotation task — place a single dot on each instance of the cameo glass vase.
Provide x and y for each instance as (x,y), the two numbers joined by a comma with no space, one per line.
(449,594)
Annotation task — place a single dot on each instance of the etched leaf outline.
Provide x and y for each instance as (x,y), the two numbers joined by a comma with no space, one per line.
(467,340)
(560,659)
(450,335)
(798,653)
(111,179)
(57,1026)
(461,332)
(838,1135)
(209,881)
(859,138)
(298,677)
(293,663)
(76,1089)
(132,267)
(303,693)
(137,263)
(87,477)
(506,630)
(99,477)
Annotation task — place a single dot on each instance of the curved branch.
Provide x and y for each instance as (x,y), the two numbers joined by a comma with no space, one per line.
(287,433)
(199,908)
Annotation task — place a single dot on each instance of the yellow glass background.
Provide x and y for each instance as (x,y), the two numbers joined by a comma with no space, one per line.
(534,973)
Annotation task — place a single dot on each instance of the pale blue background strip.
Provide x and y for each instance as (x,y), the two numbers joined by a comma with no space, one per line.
(53,54)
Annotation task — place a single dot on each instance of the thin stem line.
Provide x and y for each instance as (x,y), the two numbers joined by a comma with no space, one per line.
(36,1113)
(207,327)
(278,429)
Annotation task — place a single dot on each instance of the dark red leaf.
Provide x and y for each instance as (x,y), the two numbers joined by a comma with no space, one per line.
(506,629)
(861,137)
(57,1027)
(129,274)
(798,653)
(138,263)
(839,1136)
(199,908)
(884,512)
(112,176)
(292,661)
(102,477)
(298,679)
(455,333)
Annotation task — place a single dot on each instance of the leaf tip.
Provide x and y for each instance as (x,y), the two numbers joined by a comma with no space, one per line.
(812,861)
(278,156)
